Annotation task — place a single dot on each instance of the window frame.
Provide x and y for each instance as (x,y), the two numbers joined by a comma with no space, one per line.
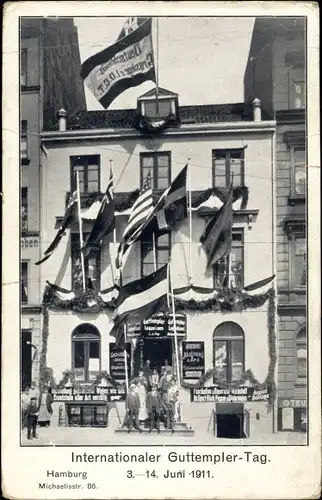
(85,165)
(241,232)
(74,236)
(161,247)
(154,166)
(301,343)
(24,136)
(228,171)
(24,62)
(86,339)
(292,257)
(228,340)
(25,190)
(293,148)
(26,263)
(157,103)
(293,67)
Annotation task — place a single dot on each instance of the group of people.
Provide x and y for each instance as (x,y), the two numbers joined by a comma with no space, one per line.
(36,409)
(152,397)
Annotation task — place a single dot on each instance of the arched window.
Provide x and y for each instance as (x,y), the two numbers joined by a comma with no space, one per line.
(86,347)
(301,353)
(228,349)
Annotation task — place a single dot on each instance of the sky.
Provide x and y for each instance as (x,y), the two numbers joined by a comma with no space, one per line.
(203,59)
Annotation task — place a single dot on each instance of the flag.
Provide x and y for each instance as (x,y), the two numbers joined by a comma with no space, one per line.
(68,217)
(172,206)
(259,284)
(141,209)
(125,64)
(216,238)
(140,299)
(60,292)
(105,221)
(109,295)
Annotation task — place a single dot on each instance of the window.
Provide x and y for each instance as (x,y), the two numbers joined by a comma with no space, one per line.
(229,271)
(157,109)
(299,171)
(88,168)
(301,354)
(162,253)
(159,165)
(297,87)
(24,141)
(23,67)
(86,352)
(227,165)
(298,264)
(24,209)
(228,351)
(91,263)
(24,282)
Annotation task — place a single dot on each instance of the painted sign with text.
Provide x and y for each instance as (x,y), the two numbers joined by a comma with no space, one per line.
(159,325)
(117,361)
(231,395)
(99,394)
(193,359)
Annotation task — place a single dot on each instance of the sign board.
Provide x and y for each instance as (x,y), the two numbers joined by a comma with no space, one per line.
(193,359)
(232,395)
(29,242)
(292,403)
(98,394)
(159,325)
(117,364)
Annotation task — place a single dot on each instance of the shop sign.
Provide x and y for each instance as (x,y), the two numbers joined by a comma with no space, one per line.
(231,395)
(159,325)
(292,403)
(29,242)
(193,359)
(117,364)
(97,395)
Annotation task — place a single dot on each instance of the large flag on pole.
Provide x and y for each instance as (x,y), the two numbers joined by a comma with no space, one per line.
(217,236)
(141,209)
(68,217)
(139,300)
(105,220)
(125,64)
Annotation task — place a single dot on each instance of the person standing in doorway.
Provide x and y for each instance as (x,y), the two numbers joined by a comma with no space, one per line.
(147,372)
(132,405)
(153,404)
(141,389)
(45,408)
(32,417)
(165,367)
(154,378)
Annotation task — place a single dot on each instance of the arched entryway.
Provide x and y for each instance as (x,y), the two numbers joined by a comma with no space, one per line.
(86,352)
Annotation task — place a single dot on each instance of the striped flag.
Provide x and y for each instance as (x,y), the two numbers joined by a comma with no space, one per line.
(68,217)
(141,210)
(140,300)
(105,220)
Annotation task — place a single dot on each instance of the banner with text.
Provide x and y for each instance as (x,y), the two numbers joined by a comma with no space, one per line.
(159,325)
(98,394)
(232,395)
(117,361)
(193,359)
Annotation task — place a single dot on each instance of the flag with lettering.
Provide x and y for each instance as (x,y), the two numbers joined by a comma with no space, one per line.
(125,64)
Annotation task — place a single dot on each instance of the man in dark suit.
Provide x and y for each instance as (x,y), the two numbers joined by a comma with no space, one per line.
(153,405)
(32,413)
(132,405)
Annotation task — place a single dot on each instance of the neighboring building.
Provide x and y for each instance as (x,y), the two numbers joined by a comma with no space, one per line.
(276,74)
(221,140)
(49,77)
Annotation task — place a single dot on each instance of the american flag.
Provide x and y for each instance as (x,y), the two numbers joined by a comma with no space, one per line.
(141,209)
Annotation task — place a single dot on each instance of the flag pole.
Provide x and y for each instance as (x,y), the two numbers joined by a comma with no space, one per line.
(125,364)
(190,219)
(81,242)
(114,233)
(174,326)
(154,253)
(157,66)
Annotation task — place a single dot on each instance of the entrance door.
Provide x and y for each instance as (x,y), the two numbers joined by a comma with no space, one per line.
(157,351)
(26,359)
(230,420)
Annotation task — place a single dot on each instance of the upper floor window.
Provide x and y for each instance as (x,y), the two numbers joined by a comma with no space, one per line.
(24,282)
(227,165)
(157,109)
(297,87)
(299,171)
(88,168)
(298,260)
(24,140)
(86,347)
(92,265)
(154,258)
(159,166)
(23,67)
(24,209)
(301,353)
(229,271)
(228,339)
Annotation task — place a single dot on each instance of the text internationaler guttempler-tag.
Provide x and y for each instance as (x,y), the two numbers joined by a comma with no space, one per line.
(173,457)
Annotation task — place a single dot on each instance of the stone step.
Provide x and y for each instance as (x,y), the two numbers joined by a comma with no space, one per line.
(177,432)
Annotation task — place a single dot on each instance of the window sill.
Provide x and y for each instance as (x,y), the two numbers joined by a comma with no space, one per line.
(25,161)
(296,199)
(300,383)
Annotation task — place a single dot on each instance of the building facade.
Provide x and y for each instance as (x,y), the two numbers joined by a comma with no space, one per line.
(276,73)
(225,335)
(48,48)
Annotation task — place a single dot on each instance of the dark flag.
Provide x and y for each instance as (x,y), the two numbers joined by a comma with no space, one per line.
(139,300)
(259,284)
(105,220)
(61,293)
(172,206)
(217,236)
(68,217)
(125,64)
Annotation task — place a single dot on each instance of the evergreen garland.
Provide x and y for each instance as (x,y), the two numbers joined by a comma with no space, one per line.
(146,126)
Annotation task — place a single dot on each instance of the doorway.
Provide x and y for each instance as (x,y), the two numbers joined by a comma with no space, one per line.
(26,359)
(230,420)
(157,351)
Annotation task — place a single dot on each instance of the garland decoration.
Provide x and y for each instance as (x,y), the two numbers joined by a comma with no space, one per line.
(149,127)
(239,192)
(46,376)
(88,301)
(103,374)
